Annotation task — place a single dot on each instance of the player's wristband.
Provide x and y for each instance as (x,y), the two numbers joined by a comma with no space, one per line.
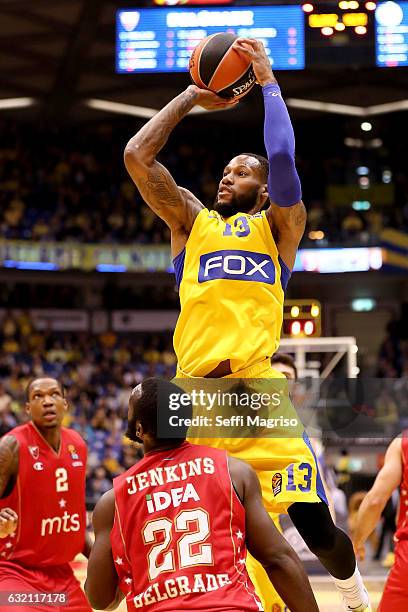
(283,180)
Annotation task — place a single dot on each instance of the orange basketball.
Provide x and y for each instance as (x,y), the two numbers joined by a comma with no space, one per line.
(215,65)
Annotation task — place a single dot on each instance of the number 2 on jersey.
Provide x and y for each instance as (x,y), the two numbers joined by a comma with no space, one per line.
(61,476)
(187,558)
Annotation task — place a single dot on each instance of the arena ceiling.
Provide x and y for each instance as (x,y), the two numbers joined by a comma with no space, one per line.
(61,53)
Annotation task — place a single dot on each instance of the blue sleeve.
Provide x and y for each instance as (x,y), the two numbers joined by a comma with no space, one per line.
(283,180)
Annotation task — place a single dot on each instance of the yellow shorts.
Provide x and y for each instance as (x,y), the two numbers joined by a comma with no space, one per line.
(271,600)
(286,466)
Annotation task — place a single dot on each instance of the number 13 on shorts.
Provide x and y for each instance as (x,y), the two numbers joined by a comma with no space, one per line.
(295,477)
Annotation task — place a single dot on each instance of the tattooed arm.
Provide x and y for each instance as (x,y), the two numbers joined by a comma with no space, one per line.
(8,475)
(288,226)
(8,464)
(178,207)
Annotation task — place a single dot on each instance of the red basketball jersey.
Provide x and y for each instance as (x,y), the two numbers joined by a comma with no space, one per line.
(49,498)
(402,522)
(178,538)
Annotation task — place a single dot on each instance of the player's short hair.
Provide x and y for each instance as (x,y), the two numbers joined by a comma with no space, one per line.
(264,165)
(286,360)
(155,399)
(35,378)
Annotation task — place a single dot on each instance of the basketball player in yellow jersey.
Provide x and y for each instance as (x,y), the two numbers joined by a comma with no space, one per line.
(232,265)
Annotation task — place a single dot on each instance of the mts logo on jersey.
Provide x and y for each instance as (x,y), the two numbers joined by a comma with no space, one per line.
(56,524)
(236,265)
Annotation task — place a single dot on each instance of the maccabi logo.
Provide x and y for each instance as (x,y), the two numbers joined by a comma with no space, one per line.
(276,483)
(129,20)
(236,265)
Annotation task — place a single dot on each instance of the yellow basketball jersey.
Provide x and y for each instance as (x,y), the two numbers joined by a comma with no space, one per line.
(232,283)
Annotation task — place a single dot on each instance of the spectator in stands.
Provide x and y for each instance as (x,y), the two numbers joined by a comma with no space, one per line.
(73,191)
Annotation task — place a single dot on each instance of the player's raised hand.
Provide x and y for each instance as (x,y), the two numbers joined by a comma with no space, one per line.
(8,522)
(209,100)
(260,61)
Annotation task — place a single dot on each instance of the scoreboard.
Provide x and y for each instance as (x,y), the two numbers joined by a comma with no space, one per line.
(359,33)
(391,34)
(161,40)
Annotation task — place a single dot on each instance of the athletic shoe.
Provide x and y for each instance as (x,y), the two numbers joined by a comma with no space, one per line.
(362,608)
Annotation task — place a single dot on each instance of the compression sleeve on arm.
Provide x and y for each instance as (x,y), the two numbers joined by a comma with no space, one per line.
(283,180)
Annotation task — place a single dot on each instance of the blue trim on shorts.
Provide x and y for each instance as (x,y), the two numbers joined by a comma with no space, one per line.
(319,483)
(178,263)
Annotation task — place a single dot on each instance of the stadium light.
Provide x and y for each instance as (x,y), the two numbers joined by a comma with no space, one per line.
(295,328)
(363,304)
(348,109)
(386,176)
(7,103)
(316,235)
(326,107)
(315,310)
(123,109)
(301,318)
(375,143)
(362,170)
(388,107)
(361,205)
(144,112)
(309,328)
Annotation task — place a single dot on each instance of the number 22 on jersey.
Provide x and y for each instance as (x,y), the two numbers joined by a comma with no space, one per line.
(195,526)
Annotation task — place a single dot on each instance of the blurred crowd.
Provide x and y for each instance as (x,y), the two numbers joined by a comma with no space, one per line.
(98,372)
(112,295)
(393,357)
(72,186)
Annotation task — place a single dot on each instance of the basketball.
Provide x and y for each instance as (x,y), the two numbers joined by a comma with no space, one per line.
(215,65)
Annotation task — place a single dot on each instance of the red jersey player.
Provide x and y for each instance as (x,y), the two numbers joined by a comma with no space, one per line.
(42,506)
(394,473)
(173,532)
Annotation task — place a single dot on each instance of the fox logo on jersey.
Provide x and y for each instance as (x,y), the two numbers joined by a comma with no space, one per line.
(236,265)
(276,483)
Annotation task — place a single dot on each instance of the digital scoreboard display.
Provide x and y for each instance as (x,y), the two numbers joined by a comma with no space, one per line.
(391,34)
(161,40)
(340,34)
